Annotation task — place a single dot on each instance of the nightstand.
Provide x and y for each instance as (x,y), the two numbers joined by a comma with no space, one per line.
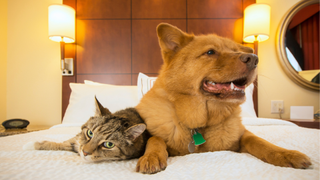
(9,132)
(315,124)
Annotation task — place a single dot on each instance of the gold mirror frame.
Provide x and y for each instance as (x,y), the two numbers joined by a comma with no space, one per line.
(289,70)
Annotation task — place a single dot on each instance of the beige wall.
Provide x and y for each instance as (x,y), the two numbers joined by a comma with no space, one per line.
(33,65)
(33,87)
(3,60)
(273,83)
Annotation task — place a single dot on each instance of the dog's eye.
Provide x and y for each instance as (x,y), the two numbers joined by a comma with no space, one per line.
(211,52)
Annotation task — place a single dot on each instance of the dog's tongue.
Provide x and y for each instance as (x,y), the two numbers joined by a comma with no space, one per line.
(217,87)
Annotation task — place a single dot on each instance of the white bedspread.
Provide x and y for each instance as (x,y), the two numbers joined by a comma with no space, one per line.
(16,163)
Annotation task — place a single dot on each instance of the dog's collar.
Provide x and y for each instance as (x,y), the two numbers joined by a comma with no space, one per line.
(197,139)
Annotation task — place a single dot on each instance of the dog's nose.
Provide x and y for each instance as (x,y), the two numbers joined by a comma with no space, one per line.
(250,59)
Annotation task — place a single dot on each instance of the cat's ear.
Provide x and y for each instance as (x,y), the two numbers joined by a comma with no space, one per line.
(100,110)
(135,131)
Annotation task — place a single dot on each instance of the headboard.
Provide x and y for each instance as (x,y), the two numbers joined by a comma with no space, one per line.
(115,40)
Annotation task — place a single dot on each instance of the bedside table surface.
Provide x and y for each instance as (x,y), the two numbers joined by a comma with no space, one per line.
(8,132)
(315,124)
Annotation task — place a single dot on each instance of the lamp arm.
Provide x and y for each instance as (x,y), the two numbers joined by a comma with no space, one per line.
(255,44)
(62,43)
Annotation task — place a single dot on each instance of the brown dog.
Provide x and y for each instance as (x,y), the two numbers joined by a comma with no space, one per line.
(198,91)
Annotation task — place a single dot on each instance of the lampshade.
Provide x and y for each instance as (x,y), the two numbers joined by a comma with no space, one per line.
(61,23)
(256,23)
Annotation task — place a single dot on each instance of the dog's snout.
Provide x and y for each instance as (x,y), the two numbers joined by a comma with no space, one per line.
(250,59)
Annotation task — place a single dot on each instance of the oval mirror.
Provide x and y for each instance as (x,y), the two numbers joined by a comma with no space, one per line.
(298,44)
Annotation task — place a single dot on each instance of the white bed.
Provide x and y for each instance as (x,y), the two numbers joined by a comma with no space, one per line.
(16,163)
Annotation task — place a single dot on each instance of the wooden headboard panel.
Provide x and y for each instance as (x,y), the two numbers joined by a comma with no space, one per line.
(116,39)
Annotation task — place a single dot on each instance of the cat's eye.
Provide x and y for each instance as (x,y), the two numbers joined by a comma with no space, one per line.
(211,52)
(90,133)
(108,145)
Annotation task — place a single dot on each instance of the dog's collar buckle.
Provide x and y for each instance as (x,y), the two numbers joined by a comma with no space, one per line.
(197,139)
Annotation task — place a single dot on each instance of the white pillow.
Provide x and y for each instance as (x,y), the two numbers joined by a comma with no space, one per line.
(82,104)
(248,107)
(145,83)
(95,83)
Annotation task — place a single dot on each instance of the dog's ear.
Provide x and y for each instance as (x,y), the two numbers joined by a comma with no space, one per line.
(100,110)
(171,39)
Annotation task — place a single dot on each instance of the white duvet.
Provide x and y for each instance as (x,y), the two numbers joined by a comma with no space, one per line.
(16,163)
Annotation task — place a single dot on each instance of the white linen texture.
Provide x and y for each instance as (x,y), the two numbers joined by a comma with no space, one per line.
(16,163)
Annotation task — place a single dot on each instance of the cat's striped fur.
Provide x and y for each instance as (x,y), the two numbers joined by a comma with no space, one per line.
(105,137)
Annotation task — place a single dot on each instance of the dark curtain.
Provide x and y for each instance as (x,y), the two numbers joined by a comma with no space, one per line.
(308,33)
(310,42)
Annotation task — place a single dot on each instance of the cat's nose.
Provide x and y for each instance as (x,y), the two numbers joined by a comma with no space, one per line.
(85,153)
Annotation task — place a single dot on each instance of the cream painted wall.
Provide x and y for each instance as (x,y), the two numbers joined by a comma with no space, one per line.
(33,85)
(33,65)
(3,59)
(273,83)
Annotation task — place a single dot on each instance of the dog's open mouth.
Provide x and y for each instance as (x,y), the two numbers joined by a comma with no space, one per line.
(233,89)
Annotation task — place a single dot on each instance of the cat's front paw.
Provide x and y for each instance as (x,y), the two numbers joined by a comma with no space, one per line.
(152,163)
(29,146)
(289,158)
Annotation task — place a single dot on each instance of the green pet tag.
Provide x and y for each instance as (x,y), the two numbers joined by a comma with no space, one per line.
(198,139)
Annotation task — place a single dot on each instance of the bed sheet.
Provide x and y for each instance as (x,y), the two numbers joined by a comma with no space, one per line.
(16,163)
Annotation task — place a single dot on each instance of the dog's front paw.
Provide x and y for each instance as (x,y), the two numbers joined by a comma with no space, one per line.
(152,163)
(289,158)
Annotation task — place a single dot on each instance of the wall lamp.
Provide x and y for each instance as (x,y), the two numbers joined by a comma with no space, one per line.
(62,29)
(256,24)
(256,29)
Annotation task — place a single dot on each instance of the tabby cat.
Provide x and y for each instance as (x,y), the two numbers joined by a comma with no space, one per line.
(104,137)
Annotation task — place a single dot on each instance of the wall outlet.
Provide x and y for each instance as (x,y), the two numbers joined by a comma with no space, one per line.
(276,106)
